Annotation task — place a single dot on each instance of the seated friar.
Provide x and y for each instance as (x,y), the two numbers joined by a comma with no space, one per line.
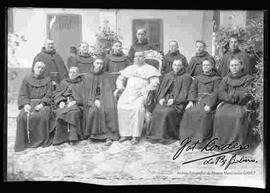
(172,100)
(136,82)
(34,103)
(68,100)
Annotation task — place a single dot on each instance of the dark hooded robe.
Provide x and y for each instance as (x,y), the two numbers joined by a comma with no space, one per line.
(195,64)
(116,62)
(141,47)
(232,122)
(164,127)
(225,61)
(84,63)
(33,129)
(54,64)
(71,61)
(197,124)
(100,123)
(168,61)
(68,119)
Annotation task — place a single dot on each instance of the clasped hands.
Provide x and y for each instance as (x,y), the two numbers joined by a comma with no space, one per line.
(27,107)
(191,104)
(62,104)
(162,102)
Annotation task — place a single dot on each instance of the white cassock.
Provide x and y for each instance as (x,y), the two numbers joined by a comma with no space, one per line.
(139,81)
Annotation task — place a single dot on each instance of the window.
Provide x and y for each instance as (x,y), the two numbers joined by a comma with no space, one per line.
(154,30)
(65,30)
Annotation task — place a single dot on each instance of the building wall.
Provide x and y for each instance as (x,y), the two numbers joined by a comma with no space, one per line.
(32,23)
(185,26)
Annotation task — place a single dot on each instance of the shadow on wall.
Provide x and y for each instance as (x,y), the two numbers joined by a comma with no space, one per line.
(15,78)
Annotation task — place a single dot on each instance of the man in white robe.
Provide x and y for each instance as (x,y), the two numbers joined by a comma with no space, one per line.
(135,81)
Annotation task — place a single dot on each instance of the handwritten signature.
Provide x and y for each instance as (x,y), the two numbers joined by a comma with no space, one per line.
(216,159)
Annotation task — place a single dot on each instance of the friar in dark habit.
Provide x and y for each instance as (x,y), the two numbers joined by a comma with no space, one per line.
(172,100)
(232,121)
(34,103)
(55,66)
(69,101)
(141,44)
(100,110)
(195,63)
(197,121)
(72,58)
(84,59)
(234,51)
(116,60)
(172,55)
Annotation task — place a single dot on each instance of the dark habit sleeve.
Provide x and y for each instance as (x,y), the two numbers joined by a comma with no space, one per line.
(213,98)
(58,95)
(193,91)
(191,66)
(244,95)
(183,90)
(47,99)
(223,93)
(163,87)
(23,97)
(61,67)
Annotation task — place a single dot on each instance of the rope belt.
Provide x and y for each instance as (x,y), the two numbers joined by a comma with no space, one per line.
(28,126)
(204,93)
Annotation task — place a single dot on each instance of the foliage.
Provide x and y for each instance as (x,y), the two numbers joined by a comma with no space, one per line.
(250,40)
(14,41)
(105,38)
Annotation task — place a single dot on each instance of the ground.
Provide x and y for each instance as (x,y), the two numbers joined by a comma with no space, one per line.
(122,164)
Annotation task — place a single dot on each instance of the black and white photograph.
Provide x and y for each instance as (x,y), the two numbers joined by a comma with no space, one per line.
(135,96)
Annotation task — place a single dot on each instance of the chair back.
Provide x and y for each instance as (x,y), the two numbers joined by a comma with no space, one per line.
(156,56)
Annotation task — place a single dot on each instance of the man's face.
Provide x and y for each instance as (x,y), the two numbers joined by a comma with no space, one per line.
(98,65)
(139,58)
(173,47)
(200,47)
(141,35)
(117,47)
(233,44)
(177,66)
(73,72)
(49,45)
(207,66)
(235,66)
(39,68)
(84,48)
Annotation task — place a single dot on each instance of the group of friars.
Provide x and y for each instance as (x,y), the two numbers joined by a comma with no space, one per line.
(107,98)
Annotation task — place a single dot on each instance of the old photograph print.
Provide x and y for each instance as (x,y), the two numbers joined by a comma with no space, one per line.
(131,97)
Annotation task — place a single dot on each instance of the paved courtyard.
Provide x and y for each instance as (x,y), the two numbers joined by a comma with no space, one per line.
(122,164)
